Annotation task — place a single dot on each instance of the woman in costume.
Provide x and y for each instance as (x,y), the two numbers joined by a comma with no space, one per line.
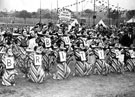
(81,65)
(36,73)
(91,59)
(2,51)
(19,51)
(101,67)
(129,59)
(114,59)
(10,71)
(48,57)
(62,69)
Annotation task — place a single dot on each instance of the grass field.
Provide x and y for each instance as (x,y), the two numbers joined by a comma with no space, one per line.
(30,21)
(92,86)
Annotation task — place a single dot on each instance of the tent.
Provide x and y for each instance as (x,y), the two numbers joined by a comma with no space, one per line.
(101,23)
(132,20)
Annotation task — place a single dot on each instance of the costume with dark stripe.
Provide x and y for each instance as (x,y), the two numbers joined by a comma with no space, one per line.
(101,66)
(81,66)
(63,70)
(8,77)
(2,50)
(21,57)
(129,62)
(91,59)
(36,73)
(116,65)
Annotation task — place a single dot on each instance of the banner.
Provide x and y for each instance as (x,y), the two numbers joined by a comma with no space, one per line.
(65,15)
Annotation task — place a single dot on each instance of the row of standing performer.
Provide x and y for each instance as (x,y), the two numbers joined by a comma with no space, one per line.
(64,61)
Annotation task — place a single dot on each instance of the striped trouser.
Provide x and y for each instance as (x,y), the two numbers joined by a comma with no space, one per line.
(71,64)
(36,74)
(101,67)
(46,65)
(8,77)
(22,64)
(116,66)
(80,68)
(1,69)
(89,68)
(130,65)
(63,71)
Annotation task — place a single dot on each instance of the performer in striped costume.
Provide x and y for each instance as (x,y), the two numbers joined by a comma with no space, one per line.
(2,52)
(19,51)
(91,59)
(109,56)
(10,72)
(108,60)
(71,59)
(101,65)
(21,57)
(70,54)
(81,65)
(115,62)
(129,60)
(48,57)
(36,73)
(63,70)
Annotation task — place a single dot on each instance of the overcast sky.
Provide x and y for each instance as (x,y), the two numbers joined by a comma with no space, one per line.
(33,5)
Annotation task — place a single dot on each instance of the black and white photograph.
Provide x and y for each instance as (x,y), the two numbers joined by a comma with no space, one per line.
(67,48)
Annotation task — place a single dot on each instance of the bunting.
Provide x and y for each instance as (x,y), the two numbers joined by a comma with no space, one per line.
(99,3)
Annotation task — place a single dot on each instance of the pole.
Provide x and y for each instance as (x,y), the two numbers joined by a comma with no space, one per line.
(40,12)
(117,14)
(57,10)
(51,10)
(109,11)
(82,8)
(94,15)
(77,6)
(6,16)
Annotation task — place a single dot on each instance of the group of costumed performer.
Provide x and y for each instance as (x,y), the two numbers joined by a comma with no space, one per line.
(61,54)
